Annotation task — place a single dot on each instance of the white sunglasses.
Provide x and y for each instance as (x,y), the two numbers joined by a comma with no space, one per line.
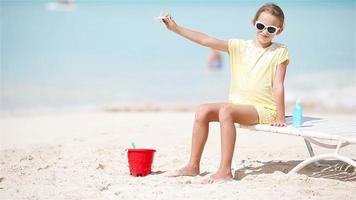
(270,29)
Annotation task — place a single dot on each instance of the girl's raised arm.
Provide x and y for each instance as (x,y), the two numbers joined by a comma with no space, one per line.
(195,36)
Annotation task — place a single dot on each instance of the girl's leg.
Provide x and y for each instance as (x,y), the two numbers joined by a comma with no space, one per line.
(205,114)
(228,115)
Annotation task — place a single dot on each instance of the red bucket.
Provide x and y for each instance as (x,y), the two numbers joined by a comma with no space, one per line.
(140,161)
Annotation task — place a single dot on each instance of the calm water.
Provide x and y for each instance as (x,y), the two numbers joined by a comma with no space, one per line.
(114,52)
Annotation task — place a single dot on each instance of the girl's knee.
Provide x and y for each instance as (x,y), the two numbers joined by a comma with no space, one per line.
(201,115)
(226,113)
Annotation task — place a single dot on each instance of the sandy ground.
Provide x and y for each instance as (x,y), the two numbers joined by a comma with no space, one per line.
(83,156)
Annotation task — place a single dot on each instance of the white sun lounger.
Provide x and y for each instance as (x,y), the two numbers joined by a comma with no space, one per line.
(314,130)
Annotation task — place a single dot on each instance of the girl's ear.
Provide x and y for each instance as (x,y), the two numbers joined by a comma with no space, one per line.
(280,30)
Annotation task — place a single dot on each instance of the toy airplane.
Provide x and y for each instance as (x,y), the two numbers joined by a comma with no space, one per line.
(162,15)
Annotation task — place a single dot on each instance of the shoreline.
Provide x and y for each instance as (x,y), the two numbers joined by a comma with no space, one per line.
(310,107)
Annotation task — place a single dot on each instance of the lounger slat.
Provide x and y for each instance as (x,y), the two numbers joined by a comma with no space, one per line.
(319,128)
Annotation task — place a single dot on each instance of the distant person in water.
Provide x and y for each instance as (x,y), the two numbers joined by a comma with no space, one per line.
(65,2)
(215,60)
(61,5)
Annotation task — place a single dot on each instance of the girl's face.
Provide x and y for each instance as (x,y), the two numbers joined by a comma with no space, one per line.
(268,23)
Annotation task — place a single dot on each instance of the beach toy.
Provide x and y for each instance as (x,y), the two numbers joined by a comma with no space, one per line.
(140,161)
(133,145)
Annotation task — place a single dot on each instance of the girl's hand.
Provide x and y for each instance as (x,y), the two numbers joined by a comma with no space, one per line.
(279,123)
(169,22)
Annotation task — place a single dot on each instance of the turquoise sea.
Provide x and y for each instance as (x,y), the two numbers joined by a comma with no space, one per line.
(113,53)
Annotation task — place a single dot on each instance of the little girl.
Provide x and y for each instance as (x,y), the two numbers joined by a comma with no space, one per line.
(258,68)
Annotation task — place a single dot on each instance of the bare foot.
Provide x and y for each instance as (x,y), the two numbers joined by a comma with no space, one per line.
(218,177)
(185,171)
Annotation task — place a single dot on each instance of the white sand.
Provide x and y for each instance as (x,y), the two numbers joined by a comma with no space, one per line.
(82,156)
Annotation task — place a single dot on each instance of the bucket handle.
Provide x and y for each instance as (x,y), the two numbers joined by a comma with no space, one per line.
(126,157)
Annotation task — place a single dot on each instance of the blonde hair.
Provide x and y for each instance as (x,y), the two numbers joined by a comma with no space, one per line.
(273,9)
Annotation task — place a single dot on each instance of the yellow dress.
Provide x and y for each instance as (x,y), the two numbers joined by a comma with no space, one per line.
(253,71)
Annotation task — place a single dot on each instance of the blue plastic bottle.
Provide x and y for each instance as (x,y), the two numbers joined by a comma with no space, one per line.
(298,114)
